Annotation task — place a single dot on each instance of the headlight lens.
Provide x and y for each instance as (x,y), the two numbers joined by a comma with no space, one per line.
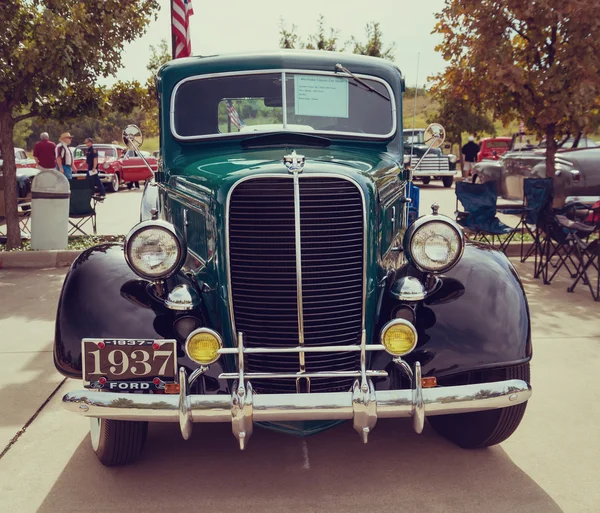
(434,244)
(203,346)
(106,165)
(154,250)
(452,158)
(399,337)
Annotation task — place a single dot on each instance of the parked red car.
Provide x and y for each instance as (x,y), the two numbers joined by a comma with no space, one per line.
(21,159)
(492,148)
(116,165)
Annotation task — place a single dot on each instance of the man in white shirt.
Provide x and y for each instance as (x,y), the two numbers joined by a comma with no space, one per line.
(64,155)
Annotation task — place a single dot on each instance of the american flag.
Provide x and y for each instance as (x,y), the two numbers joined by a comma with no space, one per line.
(182,10)
(234,117)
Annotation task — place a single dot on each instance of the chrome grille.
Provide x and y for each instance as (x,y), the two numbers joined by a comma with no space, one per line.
(433,164)
(263,274)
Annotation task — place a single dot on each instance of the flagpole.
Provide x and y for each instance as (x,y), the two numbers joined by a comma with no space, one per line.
(173,39)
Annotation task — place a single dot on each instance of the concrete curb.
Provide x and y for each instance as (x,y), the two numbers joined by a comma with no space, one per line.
(38,259)
(65,257)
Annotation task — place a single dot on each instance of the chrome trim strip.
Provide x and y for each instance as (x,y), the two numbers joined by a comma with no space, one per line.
(274,72)
(291,375)
(298,241)
(303,349)
(305,175)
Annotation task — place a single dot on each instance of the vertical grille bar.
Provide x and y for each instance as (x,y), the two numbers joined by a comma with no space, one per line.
(263,257)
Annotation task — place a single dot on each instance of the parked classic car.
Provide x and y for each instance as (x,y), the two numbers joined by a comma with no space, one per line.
(21,159)
(435,165)
(278,282)
(577,171)
(117,166)
(492,148)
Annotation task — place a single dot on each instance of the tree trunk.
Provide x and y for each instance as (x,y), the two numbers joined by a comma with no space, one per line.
(550,150)
(13,230)
(577,139)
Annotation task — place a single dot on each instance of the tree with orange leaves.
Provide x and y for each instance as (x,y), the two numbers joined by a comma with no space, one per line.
(536,61)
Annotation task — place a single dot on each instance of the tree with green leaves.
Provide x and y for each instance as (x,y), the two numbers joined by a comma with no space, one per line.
(457,115)
(329,40)
(538,62)
(374,45)
(52,55)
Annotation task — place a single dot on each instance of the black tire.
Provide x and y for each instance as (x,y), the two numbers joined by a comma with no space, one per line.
(426,180)
(114,184)
(484,428)
(447,181)
(117,442)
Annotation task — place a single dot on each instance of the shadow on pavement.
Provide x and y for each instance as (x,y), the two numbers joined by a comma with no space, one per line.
(30,293)
(553,309)
(397,471)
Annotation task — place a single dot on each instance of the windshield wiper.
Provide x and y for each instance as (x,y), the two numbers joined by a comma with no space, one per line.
(339,67)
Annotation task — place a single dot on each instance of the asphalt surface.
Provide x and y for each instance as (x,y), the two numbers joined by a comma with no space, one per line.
(550,464)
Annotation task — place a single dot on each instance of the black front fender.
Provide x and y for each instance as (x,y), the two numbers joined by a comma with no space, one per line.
(94,303)
(479,320)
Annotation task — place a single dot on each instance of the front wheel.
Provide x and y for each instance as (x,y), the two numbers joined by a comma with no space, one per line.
(117,442)
(447,181)
(426,180)
(484,428)
(114,184)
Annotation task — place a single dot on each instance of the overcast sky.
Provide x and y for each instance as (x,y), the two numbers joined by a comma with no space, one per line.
(242,25)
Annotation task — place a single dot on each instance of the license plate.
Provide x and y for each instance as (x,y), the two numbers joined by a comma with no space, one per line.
(107,361)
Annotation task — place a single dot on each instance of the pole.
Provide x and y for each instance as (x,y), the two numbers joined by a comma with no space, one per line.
(173,39)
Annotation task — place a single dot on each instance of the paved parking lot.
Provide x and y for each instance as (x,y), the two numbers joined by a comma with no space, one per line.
(551,464)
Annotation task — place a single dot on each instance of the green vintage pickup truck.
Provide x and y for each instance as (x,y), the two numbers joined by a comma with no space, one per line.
(275,279)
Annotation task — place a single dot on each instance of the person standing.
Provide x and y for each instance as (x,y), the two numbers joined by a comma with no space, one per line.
(64,155)
(470,152)
(91,157)
(44,153)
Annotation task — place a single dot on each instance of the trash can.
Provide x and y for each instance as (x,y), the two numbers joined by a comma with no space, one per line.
(50,194)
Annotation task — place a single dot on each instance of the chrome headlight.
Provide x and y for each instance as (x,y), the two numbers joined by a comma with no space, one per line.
(434,243)
(106,165)
(154,250)
(452,158)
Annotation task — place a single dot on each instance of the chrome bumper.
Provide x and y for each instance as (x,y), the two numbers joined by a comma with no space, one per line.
(363,404)
(427,172)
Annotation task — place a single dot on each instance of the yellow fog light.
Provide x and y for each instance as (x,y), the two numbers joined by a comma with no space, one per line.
(399,337)
(202,346)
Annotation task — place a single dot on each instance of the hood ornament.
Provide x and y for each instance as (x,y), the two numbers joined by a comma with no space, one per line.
(294,162)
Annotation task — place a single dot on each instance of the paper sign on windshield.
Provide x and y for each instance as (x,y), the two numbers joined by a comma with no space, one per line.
(321,96)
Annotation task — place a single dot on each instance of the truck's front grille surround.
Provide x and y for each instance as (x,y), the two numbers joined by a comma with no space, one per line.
(262,272)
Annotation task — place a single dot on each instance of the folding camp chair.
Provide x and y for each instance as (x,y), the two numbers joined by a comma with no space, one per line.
(24,211)
(82,205)
(562,239)
(588,254)
(479,215)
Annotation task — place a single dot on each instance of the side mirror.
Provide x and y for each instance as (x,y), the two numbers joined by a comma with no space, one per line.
(435,135)
(133,137)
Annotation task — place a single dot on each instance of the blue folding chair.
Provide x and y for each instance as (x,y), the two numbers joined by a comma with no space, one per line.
(479,215)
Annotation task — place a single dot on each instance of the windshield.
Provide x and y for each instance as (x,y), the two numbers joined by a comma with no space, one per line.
(310,103)
(497,145)
(409,137)
(103,152)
